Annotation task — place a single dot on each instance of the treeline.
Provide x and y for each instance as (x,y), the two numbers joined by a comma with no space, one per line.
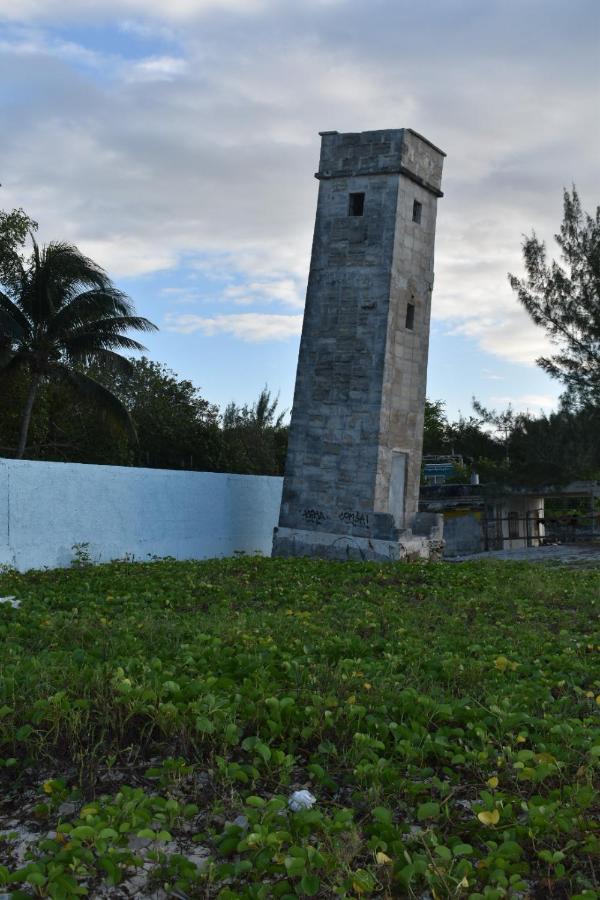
(67,392)
(176,427)
(517,448)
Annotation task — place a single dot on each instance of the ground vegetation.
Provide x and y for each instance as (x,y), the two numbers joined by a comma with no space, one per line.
(155,720)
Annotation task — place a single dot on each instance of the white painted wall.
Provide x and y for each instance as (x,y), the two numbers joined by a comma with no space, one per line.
(46,508)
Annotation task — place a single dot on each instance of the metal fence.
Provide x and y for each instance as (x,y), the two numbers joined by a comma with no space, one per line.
(572,529)
(535,528)
(515,530)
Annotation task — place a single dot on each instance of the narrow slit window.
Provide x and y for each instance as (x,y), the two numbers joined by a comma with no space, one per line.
(356,206)
(410,316)
(417,211)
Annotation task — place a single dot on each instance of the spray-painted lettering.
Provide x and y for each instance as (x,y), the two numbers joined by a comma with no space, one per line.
(314,515)
(353,517)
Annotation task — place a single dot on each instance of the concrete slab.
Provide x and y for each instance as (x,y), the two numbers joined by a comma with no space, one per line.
(585,555)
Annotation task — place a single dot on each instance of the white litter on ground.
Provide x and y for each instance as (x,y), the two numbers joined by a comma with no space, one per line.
(301,800)
(12,600)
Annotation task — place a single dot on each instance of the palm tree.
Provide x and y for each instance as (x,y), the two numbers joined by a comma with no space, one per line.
(59,313)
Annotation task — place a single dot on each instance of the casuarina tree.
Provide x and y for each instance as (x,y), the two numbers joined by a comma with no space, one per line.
(59,314)
(564,298)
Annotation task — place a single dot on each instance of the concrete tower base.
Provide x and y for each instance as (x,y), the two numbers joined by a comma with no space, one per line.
(423,541)
(328,545)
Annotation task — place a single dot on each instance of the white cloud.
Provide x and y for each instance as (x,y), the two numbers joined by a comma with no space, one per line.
(124,255)
(199,151)
(33,43)
(252,327)
(177,11)
(156,68)
(491,376)
(66,10)
(511,336)
(283,290)
(531,403)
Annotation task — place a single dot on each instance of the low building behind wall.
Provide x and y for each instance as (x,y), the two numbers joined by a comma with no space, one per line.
(514,522)
(48,510)
(480,517)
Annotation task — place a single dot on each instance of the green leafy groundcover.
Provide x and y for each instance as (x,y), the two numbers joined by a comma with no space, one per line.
(445,717)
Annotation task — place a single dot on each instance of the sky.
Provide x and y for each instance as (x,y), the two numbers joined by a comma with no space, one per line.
(175,143)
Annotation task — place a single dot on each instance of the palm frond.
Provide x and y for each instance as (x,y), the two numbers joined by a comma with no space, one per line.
(114,362)
(64,262)
(98,395)
(116,324)
(90,306)
(72,316)
(13,323)
(11,361)
(57,273)
(86,344)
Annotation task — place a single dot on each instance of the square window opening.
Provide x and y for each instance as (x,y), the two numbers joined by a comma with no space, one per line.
(410,316)
(356,205)
(417,211)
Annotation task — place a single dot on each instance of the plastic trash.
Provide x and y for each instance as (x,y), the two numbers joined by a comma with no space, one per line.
(12,600)
(301,800)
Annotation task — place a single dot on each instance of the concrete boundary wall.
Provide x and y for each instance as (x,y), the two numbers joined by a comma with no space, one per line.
(46,508)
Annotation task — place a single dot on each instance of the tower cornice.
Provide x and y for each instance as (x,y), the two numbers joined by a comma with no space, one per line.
(399,170)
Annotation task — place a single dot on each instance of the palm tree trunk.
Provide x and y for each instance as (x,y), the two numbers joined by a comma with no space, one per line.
(26,417)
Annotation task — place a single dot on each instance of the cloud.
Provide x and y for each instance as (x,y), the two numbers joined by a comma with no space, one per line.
(283,290)
(68,10)
(511,336)
(251,327)
(491,376)
(177,11)
(195,145)
(125,255)
(30,42)
(156,68)
(531,403)
(181,296)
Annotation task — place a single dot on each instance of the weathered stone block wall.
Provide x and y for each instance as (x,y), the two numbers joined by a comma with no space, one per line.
(336,420)
(407,350)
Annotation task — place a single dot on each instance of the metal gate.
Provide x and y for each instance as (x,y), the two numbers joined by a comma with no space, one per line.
(515,530)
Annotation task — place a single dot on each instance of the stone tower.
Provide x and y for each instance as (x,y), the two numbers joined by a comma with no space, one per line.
(352,473)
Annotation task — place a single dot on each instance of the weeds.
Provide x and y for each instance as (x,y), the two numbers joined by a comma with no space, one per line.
(446,718)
